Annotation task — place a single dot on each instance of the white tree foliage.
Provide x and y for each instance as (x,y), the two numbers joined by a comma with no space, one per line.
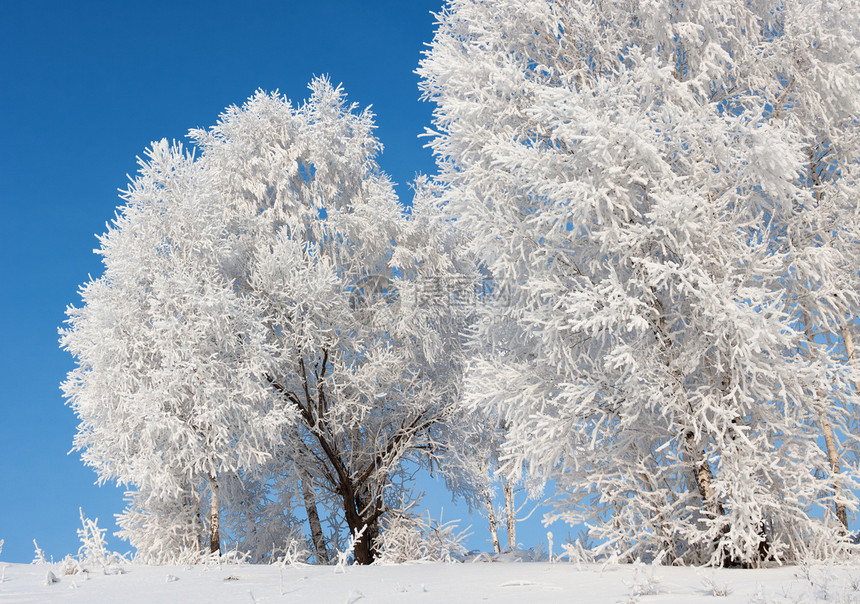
(169,386)
(258,342)
(666,196)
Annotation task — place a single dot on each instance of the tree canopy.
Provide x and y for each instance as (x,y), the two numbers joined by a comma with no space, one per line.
(666,192)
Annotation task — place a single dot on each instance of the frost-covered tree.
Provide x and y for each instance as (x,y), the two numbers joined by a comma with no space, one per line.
(666,194)
(338,269)
(473,474)
(261,303)
(451,282)
(819,237)
(168,387)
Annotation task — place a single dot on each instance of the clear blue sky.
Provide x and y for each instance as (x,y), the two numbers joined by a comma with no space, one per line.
(84,87)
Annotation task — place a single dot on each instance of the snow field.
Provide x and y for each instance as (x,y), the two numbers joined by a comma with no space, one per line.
(530,582)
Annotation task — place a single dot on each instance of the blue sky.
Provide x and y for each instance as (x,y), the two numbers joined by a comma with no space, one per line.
(84,87)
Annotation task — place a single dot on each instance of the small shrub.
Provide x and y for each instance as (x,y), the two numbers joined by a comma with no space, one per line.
(645,583)
(419,538)
(716,589)
(94,553)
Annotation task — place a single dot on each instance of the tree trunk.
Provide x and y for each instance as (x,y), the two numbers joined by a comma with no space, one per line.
(703,475)
(826,428)
(491,519)
(363,548)
(314,519)
(848,340)
(833,458)
(510,514)
(491,511)
(214,516)
(354,508)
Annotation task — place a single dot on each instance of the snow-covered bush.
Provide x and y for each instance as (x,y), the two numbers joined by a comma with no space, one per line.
(411,537)
(645,581)
(39,554)
(94,553)
(292,553)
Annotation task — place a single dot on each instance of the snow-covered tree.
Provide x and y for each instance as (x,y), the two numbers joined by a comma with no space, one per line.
(266,303)
(331,257)
(666,195)
(452,282)
(169,386)
(819,237)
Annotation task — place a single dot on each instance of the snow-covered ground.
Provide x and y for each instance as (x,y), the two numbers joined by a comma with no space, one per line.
(526,582)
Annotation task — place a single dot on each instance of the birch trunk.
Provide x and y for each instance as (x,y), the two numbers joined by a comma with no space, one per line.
(703,475)
(510,514)
(704,478)
(848,340)
(833,458)
(314,519)
(214,516)
(491,512)
(826,428)
(491,519)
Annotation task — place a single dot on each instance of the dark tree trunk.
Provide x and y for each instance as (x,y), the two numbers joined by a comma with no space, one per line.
(364,518)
